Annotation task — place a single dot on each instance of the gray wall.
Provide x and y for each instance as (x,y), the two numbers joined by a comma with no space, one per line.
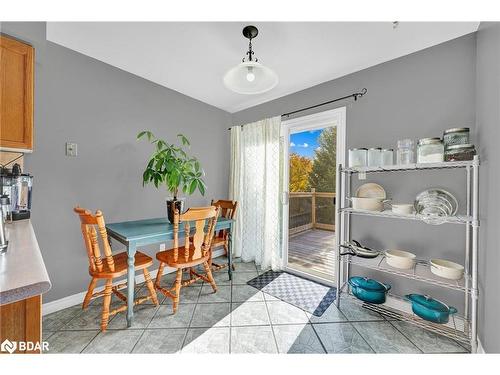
(102,108)
(415,96)
(488,135)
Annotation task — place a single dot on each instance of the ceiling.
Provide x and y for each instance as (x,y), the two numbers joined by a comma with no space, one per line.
(192,57)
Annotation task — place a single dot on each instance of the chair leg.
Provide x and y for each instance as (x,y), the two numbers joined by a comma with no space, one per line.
(159,274)
(178,285)
(149,284)
(90,293)
(209,276)
(106,302)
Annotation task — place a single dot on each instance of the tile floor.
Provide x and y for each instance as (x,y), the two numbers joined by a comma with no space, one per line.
(236,319)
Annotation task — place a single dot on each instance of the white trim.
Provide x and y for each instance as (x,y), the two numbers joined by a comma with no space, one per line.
(76,299)
(334,117)
(480,348)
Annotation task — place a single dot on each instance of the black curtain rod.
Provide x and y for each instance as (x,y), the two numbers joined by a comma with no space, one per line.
(356,95)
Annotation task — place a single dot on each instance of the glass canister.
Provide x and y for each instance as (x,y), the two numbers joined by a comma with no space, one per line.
(387,156)
(460,152)
(405,153)
(357,157)
(374,157)
(456,136)
(430,150)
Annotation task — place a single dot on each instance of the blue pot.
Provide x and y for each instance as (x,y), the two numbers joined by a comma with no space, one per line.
(430,309)
(368,290)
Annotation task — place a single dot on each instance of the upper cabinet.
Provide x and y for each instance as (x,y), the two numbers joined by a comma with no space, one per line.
(16,94)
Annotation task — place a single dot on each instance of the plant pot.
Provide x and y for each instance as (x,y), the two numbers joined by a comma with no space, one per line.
(173,205)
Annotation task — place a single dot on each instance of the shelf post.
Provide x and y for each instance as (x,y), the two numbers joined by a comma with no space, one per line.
(475,241)
(339,204)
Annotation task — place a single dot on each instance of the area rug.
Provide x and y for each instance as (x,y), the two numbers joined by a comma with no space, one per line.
(305,294)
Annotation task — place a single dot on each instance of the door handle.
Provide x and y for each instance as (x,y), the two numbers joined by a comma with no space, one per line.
(285,198)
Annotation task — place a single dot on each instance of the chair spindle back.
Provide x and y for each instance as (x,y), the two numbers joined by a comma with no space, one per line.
(204,220)
(91,225)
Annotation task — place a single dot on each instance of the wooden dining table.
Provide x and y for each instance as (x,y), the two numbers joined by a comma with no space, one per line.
(134,234)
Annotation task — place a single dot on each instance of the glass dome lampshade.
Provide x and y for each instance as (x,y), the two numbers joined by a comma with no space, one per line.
(250,77)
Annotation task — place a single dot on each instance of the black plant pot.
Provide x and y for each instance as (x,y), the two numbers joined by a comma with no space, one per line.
(173,205)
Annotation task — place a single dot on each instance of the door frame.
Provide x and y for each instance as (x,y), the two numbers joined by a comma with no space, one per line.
(315,121)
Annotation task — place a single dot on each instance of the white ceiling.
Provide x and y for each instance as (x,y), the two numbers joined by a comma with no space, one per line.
(192,57)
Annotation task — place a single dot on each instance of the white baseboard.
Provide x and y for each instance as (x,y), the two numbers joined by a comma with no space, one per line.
(76,299)
(480,348)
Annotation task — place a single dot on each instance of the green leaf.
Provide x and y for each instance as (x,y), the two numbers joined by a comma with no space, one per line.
(201,187)
(192,186)
(141,134)
(184,140)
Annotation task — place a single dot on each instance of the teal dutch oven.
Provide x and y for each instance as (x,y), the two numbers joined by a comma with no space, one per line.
(430,309)
(368,290)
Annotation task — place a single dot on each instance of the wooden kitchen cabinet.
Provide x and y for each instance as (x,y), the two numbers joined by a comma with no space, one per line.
(21,321)
(16,94)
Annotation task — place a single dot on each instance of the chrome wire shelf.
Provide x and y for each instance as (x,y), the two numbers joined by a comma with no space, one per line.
(455,329)
(421,272)
(464,329)
(412,167)
(458,219)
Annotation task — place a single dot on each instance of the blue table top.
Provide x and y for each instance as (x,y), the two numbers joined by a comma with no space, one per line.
(140,230)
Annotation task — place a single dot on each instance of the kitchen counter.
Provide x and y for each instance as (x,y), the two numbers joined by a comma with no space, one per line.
(22,270)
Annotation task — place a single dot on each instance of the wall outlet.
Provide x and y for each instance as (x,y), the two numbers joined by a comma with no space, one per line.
(71,149)
(162,247)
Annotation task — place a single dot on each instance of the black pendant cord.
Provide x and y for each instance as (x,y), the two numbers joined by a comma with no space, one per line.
(355,95)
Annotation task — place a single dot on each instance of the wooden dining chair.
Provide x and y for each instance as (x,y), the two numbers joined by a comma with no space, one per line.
(228,211)
(108,266)
(196,250)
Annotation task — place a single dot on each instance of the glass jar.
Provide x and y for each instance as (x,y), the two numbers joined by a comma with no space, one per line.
(357,157)
(460,152)
(456,136)
(405,152)
(387,156)
(430,150)
(374,157)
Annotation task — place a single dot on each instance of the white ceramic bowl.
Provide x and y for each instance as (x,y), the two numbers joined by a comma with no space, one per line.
(400,259)
(369,204)
(447,269)
(402,209)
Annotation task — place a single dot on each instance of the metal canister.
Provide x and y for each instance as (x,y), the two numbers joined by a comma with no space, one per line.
(456,136)
(460,152)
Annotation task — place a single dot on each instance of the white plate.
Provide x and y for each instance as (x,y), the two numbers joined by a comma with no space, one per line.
(371,190)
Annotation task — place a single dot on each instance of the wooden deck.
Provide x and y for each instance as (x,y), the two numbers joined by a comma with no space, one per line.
(312,251)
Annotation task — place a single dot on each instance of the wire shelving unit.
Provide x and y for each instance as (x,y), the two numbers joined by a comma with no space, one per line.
(460,328)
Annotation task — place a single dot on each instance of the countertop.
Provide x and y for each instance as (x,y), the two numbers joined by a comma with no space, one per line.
(22,270)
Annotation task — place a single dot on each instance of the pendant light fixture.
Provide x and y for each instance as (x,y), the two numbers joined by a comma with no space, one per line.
(250,76)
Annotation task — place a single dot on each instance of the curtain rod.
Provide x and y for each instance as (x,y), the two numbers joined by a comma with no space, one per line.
(355,95)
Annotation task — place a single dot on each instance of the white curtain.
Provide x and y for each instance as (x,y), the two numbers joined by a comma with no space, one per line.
(255,182)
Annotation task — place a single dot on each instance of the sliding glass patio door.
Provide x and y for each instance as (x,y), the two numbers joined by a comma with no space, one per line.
(314,146)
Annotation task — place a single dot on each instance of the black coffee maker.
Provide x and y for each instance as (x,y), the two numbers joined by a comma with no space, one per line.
(18,187)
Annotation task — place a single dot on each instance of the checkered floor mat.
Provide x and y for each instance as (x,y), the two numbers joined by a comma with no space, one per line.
(305,294)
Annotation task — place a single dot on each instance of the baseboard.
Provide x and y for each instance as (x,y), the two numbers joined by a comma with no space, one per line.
(480,348)
(76,299)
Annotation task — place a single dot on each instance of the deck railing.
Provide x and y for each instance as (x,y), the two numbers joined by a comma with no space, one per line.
(311,210)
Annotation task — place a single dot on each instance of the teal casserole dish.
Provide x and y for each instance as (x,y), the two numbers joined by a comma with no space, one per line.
(430,309)
(368,290)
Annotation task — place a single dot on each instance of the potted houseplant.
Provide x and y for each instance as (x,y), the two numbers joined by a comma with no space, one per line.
(171,166)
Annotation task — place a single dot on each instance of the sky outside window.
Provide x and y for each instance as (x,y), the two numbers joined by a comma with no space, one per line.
(304,143)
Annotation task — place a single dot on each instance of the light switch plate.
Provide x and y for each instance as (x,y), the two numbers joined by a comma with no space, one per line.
(71,149)
(162,246)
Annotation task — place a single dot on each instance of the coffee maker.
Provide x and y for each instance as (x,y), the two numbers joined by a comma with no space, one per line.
(18,187)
